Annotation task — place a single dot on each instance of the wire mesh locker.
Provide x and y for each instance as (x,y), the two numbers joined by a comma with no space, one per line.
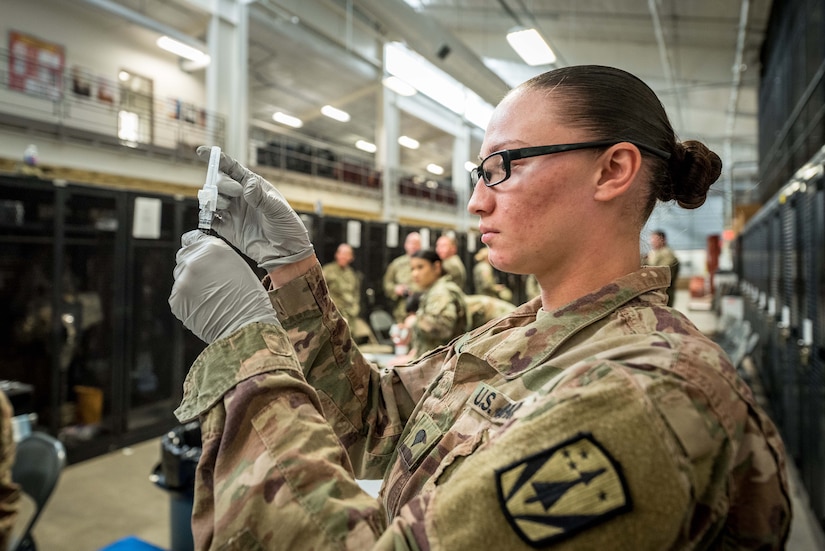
(812,456)
(772,360)
(786,308)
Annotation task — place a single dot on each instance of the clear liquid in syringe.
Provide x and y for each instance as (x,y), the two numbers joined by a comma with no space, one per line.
(208,195)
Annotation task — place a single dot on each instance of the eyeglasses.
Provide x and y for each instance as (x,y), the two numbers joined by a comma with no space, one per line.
(495,168)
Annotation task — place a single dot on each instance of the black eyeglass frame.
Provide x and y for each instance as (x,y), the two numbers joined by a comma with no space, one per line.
(509,155)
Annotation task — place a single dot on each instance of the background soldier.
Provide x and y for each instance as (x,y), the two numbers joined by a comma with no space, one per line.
(484,278)
(398,283)
(447,250)
(344,284)
(662,255)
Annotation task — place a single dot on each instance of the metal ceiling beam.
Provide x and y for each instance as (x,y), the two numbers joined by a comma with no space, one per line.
(664,56)
(730,122)
(147,22)
(438,45)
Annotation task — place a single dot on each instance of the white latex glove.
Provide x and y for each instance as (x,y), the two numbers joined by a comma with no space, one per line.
(255,217)
(215,292)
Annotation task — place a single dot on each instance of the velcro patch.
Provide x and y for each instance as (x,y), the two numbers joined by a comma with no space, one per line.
(419,441)
(554,494)
(492,403)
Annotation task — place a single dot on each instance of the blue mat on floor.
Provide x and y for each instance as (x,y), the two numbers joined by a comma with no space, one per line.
(131,543)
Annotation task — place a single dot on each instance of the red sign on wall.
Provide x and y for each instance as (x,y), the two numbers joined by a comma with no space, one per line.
(35,66)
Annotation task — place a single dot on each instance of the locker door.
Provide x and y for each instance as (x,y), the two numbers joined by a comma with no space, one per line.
(772,360)
(812,458)
(374,259)
(816,309)
(152,387)
(787,311)
(331,233)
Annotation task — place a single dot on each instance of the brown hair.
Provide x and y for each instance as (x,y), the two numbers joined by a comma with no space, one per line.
(614,104)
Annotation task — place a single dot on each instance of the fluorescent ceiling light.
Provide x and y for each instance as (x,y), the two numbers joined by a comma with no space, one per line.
(470,166)
(530,45)
(477,111)
(408,142)
(183,50)
(431,81)
(288,120)
(366,146)
(433,168)
(335,113)
(399,86)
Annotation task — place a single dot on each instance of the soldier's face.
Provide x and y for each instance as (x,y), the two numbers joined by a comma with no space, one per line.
(344,256)
(424,272)
(444,247)
(412,244)
(530,222)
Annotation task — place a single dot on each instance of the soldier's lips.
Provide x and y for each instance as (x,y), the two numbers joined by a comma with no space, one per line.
(487,235)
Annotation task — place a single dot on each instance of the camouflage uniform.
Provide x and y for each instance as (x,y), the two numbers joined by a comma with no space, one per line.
(441,316)
(9,491)
(454,267)
(483,308)
(399,272)
(345,289)
(611,422)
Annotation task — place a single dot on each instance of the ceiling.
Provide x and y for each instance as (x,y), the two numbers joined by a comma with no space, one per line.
(700,56)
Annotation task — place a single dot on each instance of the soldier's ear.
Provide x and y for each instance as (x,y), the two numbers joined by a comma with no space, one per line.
(618,168)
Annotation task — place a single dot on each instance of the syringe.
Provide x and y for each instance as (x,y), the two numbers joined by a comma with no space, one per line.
(208,196)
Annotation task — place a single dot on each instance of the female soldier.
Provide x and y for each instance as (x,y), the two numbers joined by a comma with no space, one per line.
(593,417)
(441,315)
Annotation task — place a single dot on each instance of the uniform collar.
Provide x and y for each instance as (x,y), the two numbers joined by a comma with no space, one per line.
(530,345)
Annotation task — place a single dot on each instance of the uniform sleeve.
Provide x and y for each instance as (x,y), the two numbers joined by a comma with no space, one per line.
(9,491)
(272,473)
(367,407)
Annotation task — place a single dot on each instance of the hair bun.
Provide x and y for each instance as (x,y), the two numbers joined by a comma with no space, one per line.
(694,168)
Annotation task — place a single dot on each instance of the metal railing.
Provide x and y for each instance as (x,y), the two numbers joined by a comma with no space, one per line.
(78,106)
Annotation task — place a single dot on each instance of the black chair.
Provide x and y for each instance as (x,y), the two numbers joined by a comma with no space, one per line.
(38,462)
(381,321)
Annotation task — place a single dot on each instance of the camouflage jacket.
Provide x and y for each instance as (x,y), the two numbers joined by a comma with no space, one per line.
(398,272)
(454,267)
(483,308)
(611,422)
(442,316)
(9,491)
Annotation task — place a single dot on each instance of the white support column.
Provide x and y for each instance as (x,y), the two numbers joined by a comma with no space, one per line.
(226,76)
(461,178)
(388,156)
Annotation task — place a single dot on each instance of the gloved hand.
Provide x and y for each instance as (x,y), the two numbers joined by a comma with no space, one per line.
(215,292)
(255,217)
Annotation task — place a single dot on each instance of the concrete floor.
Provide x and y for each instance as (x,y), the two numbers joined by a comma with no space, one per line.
(108,498)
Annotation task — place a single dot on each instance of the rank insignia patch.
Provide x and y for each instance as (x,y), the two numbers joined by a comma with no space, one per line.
(554,494)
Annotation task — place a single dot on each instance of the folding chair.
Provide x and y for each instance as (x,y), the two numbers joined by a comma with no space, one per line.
(38,462)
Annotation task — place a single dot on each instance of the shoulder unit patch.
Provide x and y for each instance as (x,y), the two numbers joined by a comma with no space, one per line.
(552,495)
